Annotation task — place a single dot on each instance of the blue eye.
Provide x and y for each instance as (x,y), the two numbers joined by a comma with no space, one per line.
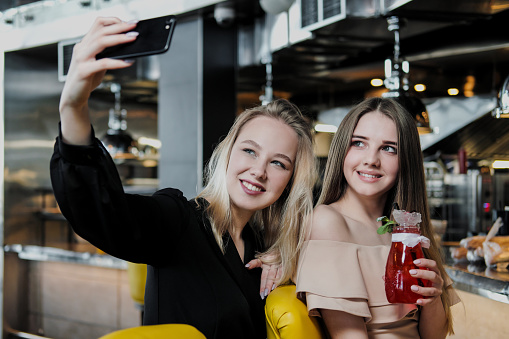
(249,151)
(390,149)
(357,143)
(279,163)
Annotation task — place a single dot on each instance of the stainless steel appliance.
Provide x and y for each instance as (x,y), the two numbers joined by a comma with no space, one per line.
(465,201)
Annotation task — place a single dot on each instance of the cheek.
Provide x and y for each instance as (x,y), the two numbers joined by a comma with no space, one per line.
(282,180)
(395,166)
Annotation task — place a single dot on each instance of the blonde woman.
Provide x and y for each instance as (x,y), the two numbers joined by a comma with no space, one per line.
(260,179)
(374,161)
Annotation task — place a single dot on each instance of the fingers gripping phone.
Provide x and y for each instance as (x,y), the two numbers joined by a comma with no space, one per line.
(154,38)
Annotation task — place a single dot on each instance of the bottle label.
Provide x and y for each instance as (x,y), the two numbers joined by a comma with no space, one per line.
(410,239)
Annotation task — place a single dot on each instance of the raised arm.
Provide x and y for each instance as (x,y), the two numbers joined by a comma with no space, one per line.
(86,73)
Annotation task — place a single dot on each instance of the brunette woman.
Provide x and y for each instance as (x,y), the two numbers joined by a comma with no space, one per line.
(258,193)
(375,160)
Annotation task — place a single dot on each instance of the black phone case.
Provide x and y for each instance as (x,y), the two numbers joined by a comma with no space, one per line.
(154,38)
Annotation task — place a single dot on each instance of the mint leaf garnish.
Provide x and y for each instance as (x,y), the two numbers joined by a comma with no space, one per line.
(386,226)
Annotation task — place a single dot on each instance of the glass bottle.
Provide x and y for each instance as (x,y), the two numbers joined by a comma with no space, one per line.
(405,248)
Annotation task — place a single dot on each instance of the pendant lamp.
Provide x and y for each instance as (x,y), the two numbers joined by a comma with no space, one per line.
(117,140)
(396,81)
(502,109)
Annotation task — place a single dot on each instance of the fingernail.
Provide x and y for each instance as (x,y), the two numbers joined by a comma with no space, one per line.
(248,265)
(131,22)
(132,34)
(414,288)
(266,292)
(273,287)
(412,272)
(419,302)
(417,261)
(129,61)
(261,295)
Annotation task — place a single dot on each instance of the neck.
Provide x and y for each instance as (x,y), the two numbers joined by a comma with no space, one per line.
(240,220)
(365,208)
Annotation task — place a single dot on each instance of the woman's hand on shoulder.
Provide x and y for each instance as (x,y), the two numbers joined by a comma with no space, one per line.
(271,273)
(428,271)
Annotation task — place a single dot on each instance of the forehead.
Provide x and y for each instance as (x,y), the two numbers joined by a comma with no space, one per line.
(377,123)
(271,134)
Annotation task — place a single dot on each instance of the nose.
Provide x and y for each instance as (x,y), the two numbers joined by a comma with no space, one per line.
(372,158)
(258,170)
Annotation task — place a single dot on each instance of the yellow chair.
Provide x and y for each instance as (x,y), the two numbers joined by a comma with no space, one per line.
(287,317)
(166,331)
(137,274)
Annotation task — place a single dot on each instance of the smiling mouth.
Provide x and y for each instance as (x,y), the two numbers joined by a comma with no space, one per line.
(370,176)
(251,187)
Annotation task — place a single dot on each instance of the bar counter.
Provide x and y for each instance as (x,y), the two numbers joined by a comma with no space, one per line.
(85,255)
(478,279)
(474,278)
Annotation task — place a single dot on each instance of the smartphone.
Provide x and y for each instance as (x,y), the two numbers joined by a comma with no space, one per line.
(154,38)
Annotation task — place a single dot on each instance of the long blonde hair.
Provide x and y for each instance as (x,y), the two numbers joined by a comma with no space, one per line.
(282,223)
(409,192)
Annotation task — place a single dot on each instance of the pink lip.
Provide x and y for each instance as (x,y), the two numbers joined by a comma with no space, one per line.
(248,191)
(369,180)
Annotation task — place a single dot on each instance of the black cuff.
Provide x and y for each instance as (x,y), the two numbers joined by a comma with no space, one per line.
(80,154)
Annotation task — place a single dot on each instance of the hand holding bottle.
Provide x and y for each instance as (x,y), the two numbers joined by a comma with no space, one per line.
(430,273)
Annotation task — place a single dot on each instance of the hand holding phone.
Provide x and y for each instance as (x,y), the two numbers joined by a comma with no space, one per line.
(154,38)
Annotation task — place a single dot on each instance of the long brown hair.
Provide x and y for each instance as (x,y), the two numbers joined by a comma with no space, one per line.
(282,222)
(409,192)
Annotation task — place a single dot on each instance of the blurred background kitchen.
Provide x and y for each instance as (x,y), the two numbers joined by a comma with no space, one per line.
(446,60)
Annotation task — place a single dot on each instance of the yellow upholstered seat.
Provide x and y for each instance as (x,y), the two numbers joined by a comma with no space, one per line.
(165,331)
(137,274)
(287,317)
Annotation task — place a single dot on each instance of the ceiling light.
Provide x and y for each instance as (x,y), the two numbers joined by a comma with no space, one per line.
(502,111)
(500,164)
(453,91)
(117,141)
(150,142)
(420,87)
(377,82)
(396,81)
(326,128)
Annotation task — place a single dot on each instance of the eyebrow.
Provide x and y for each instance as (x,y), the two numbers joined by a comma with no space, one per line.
(279,155)
(384,141)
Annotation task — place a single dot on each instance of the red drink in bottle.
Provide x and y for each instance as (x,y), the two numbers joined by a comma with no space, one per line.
(405,248)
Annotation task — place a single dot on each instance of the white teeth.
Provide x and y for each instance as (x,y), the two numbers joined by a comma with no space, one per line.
(368,175)
(251,187)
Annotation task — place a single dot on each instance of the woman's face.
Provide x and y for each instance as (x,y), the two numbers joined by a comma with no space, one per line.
(261,164)
(371,164)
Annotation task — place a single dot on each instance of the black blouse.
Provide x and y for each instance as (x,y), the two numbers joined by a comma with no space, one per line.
(189,279)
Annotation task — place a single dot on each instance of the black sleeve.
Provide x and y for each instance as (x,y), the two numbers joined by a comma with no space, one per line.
(90,195)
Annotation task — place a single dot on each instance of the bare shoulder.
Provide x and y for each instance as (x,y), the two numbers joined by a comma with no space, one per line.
(328,223)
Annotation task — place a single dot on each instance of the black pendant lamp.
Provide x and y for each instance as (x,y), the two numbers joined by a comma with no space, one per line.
(502,109)
(117,141)
(396,81)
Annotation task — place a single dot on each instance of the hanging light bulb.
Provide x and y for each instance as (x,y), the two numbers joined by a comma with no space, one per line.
(117,141)
(396,81)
